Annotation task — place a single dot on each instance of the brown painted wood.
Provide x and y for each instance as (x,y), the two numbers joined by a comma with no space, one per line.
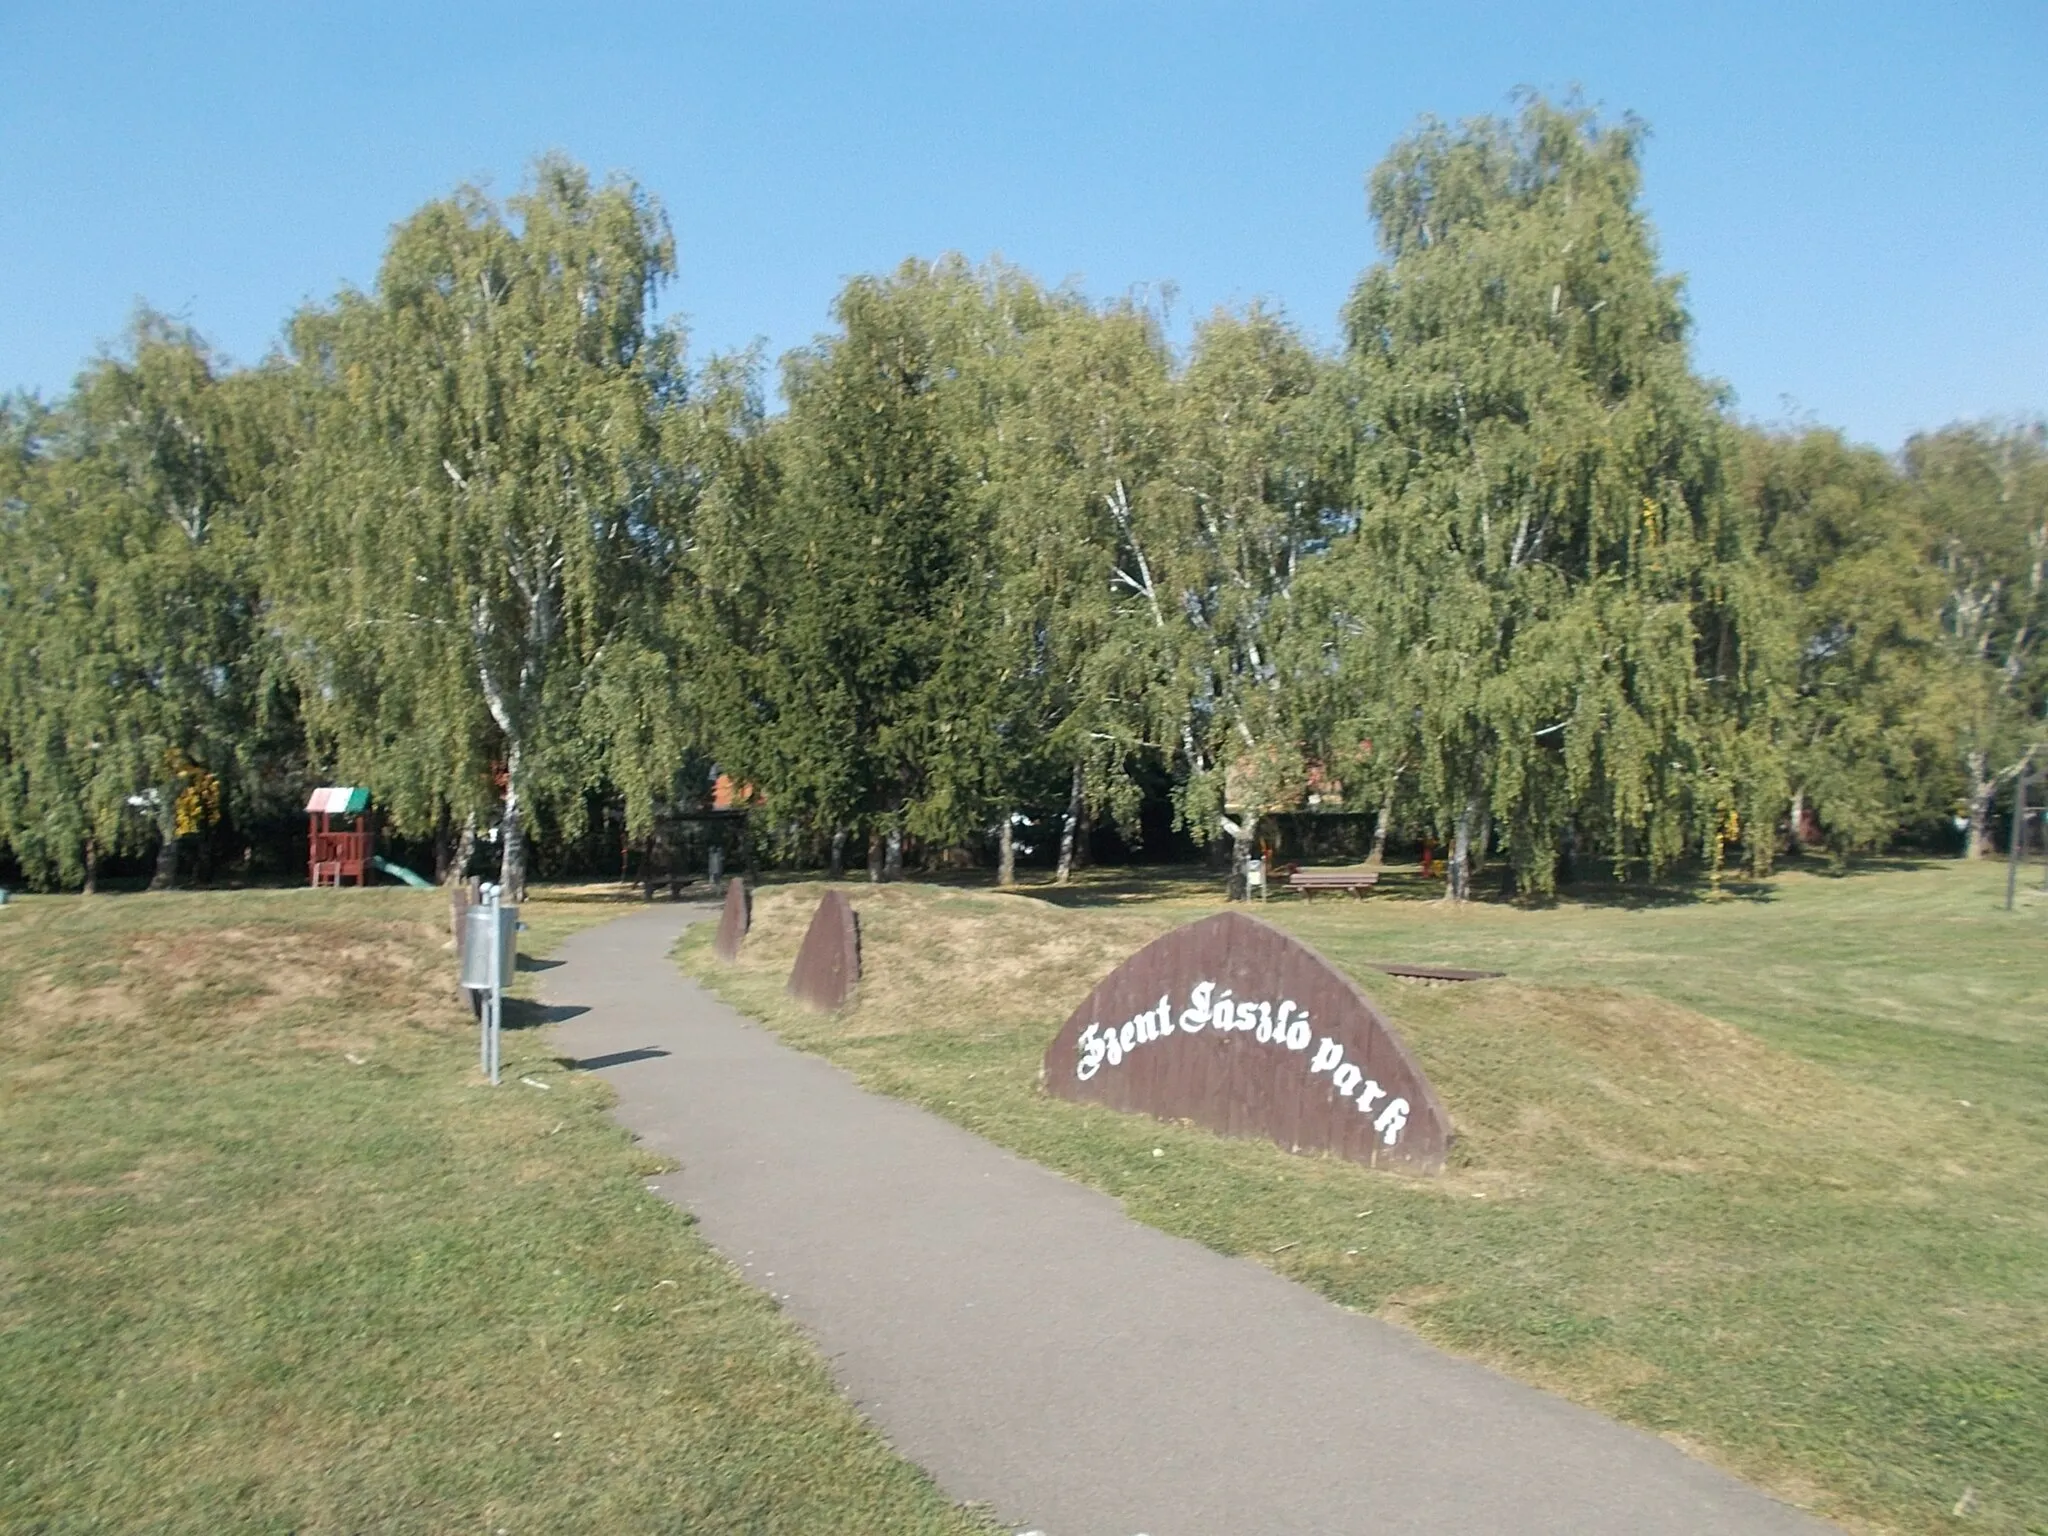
(734,921)
(827,966)
(1156,1037)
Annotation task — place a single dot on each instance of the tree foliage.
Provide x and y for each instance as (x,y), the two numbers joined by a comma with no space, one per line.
(1549,613)
(1865,735)
(865,685)
(1502,566)
(133,675)
(483,514)
(1981,493)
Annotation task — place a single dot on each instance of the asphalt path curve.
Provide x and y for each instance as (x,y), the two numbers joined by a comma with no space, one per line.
(1036,1350)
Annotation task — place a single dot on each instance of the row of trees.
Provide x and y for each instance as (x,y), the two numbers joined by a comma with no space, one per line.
(1502,568)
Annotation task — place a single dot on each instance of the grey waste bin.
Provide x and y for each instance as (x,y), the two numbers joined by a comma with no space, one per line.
(476,945)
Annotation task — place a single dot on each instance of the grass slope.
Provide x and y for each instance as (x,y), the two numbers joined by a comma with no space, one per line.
(1789,1245)
(271,1258)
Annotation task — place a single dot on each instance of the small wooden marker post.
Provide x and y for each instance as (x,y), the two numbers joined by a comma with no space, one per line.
(734,921)
(827,967)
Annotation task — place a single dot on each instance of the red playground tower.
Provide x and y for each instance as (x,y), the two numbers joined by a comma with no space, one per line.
(341,835)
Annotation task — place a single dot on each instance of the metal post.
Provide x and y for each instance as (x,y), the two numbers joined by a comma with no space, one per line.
(2019,823)
(483,1012)
(497,983)
(494,994)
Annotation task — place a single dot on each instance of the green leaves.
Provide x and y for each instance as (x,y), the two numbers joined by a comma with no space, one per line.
(130,611)
(483,509)
(1981,493)
(1545,619)
(866,674)
(1502,565)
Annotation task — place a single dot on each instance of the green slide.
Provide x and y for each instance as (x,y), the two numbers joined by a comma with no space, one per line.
(400,872)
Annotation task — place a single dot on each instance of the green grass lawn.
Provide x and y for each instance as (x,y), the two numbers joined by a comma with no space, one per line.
(1764,1174)
(273,1259)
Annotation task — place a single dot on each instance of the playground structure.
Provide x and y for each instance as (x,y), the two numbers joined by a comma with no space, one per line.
(341,835)
(341,840)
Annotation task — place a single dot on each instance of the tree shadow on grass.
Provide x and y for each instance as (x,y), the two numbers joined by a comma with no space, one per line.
(1114,886)
(1402,884)
(1123,886)
(1691,887)
(1649,895)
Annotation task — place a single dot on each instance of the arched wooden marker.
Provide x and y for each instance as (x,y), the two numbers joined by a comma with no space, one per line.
(828,965)
(1240,1028)
(734,921)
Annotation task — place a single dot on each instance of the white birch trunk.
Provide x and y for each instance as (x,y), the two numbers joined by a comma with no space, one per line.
(511,831)
(1459,886)
(1379,830)
(1069,828)
(1983,790)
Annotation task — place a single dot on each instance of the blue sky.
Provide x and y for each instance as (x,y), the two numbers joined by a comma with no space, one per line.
(1858,194)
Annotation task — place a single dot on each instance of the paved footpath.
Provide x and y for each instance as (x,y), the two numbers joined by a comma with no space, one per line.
(1035,1349)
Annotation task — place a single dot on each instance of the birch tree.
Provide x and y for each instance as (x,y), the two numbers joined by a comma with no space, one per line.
(1083,437)
(1549,607)
(484,511)
(1256,493)
(1982,495)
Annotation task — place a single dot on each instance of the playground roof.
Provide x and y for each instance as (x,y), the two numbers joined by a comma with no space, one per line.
(339,800)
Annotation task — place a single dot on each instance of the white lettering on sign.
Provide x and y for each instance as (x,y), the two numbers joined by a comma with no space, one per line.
(1286,1026)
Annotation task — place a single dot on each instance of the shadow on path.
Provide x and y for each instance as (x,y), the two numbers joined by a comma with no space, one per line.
(614,1059)
(521,1013)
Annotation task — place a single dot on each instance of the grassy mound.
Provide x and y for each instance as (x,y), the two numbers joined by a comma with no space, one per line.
(272,1258)
(1761,1174)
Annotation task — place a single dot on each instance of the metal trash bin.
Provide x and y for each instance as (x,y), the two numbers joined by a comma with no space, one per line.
(476,945)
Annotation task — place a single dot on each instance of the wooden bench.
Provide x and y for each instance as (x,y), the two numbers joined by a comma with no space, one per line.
(1356,881)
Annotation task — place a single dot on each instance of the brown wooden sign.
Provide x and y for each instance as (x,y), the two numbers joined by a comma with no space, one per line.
(1238,1027)
(828,965)
(733,922)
